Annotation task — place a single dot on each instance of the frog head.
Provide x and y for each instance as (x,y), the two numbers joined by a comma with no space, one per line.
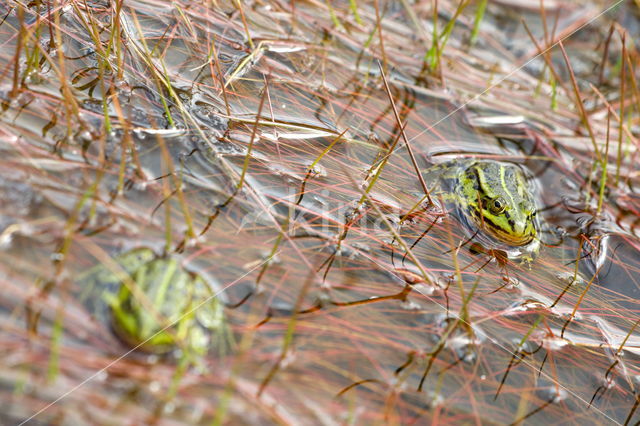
(497,199)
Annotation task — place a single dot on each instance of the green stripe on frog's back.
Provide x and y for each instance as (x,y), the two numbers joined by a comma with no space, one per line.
(491,186)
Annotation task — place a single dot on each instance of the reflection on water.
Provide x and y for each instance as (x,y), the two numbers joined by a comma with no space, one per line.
(276,167)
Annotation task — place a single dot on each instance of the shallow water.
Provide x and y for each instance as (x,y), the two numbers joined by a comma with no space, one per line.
(341,311)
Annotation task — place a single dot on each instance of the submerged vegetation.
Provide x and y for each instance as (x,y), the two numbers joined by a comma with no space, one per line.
(222,212)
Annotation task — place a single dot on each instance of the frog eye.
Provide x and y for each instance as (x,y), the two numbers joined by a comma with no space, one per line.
(497,205)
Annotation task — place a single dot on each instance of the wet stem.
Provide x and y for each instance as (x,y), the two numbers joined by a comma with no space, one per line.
(16,60)
(70,102)
(478,20)
(554,78)
(238,5)
(622,100)
(599,158)
(353,4)
(603,178)
(439,40)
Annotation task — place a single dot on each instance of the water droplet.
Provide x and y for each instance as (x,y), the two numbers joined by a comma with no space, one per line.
(57,256)
(554,343)
(552,394)
(410,305)
(154,386)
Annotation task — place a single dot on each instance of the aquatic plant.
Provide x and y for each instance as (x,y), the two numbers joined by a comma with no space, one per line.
(279,152)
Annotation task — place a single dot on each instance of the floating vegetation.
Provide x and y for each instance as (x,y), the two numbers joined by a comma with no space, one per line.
(227,212)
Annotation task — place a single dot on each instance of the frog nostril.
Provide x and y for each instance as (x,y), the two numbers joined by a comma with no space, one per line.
(527,208)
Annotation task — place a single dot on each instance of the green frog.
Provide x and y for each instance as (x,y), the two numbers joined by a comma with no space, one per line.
(154,305)
(495,201)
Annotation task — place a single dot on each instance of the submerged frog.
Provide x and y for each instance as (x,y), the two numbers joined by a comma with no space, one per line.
(496,203)
(153,304)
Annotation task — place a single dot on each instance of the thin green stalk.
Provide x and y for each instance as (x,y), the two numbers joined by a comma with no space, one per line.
(187,21)
(327,149)
(579,302)
(332,14)
(167,215)
(603,178)
(623,77)
(433,54)
(554,92)
(159,80)
(478,19)
(634,84)
(354,9)
(33,59)
(579,101)
(244,23)
(554,78)
(448,29)
(56,337)
(247,157)
(115,35)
